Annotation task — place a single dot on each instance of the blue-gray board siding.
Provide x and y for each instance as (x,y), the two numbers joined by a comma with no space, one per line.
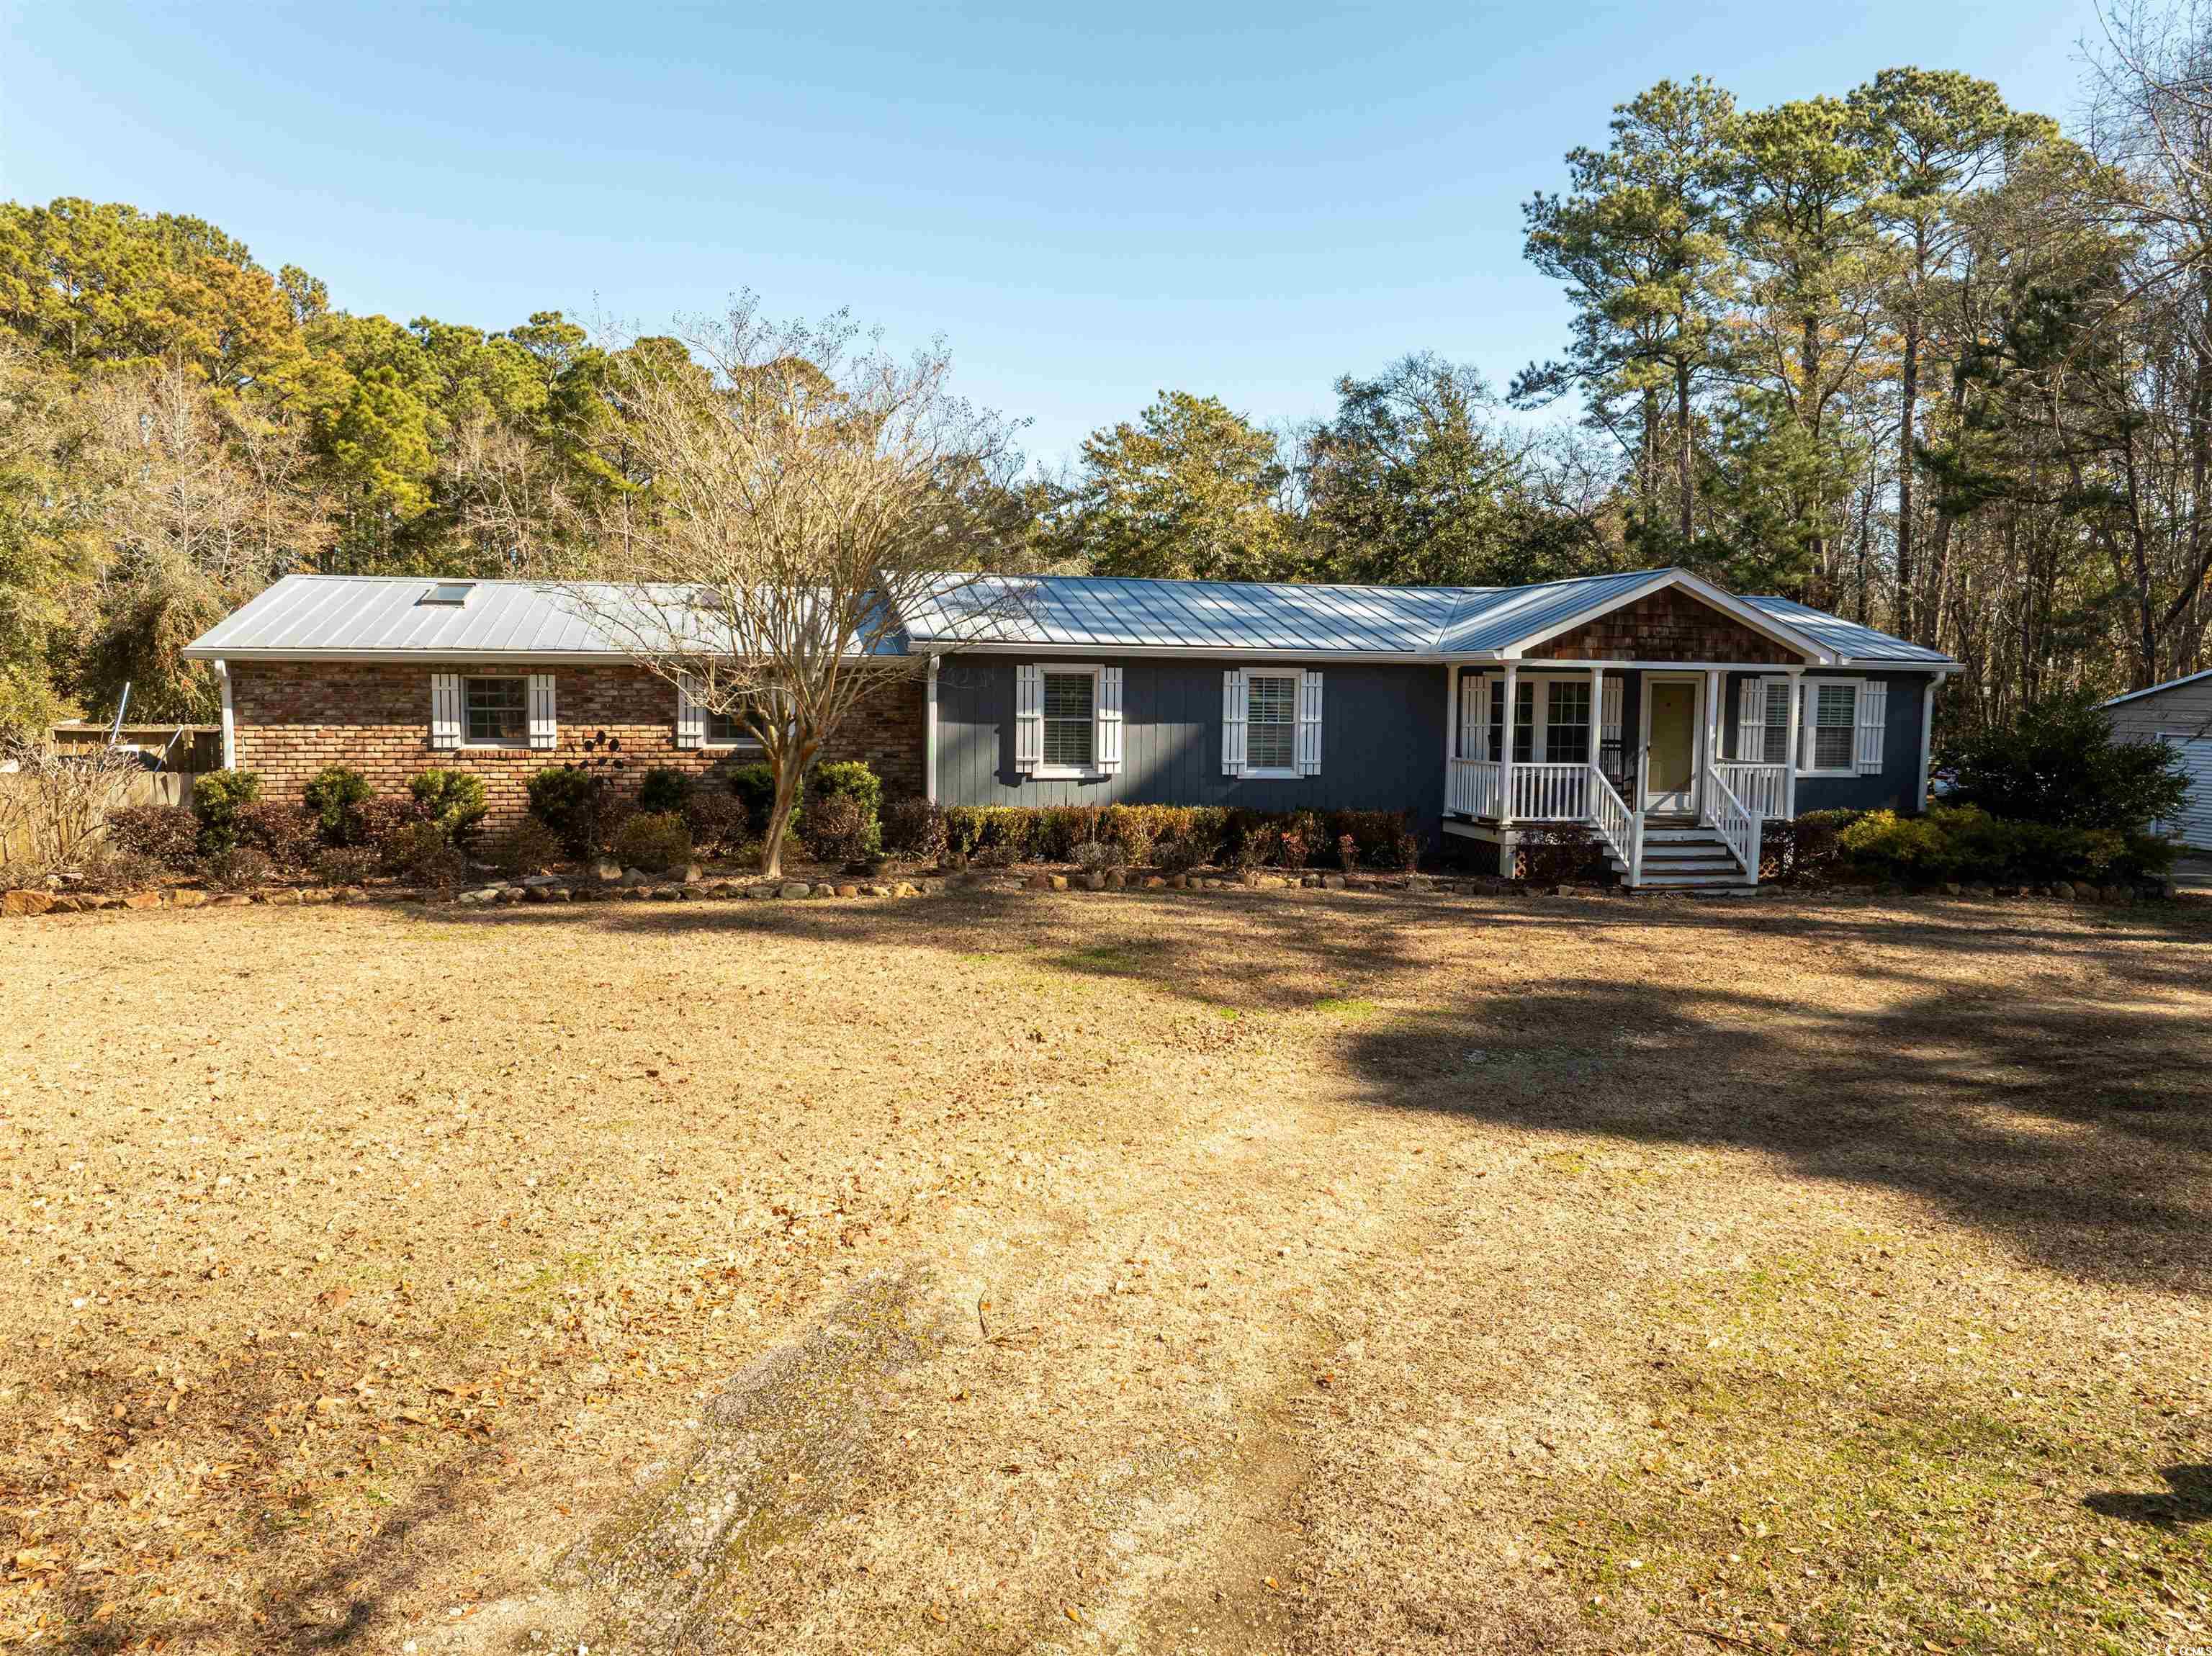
(1891,787)
(1381,746)
(1382,737)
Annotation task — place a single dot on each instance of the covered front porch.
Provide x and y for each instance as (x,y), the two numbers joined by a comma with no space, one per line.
(1639,753)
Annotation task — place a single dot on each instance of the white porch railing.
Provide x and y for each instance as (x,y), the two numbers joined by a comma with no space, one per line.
(1735,821)
(1618,826)
(1762,788)
(1549,793)
(1474,788)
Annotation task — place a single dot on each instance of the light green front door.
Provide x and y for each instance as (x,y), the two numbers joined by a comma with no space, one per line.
(1670,761)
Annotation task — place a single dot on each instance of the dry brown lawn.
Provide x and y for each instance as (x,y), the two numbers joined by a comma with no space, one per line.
(1311,1271)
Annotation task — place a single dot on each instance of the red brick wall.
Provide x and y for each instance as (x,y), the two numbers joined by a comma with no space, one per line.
(293,718)
(1669,625)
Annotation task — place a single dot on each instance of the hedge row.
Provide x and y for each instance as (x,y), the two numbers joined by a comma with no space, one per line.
(1184,836)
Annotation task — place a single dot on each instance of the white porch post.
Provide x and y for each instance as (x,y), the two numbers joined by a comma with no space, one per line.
(1596,730)
(1789,759)
(1711,737)
(1506,745)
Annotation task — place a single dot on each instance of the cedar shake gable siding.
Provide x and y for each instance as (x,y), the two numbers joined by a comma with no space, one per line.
(291,719)
(1668,625)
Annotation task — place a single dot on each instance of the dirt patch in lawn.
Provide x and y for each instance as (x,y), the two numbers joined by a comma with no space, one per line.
(1306,1272)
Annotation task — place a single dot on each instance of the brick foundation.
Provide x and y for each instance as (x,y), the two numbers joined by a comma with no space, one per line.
(291,719)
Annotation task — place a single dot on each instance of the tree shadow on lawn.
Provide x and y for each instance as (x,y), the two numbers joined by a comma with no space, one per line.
(1937,1051)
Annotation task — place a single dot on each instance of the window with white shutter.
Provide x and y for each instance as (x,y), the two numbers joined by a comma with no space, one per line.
(1474,712)
(444,710)
(1067,720)
(1271,723)
(543,731)
(1310,724)
(1873,716)
(1762,736)
(1829,739)
(691,717)
(1232,721)
(496,712)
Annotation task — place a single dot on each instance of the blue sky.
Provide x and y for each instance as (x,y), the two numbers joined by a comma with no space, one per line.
(1088,206)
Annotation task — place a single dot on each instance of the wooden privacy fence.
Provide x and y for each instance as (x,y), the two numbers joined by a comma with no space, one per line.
(140,788)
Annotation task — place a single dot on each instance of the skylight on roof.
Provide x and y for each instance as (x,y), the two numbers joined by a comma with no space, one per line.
(455,593)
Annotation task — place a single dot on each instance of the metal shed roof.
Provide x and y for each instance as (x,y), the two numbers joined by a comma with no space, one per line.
(1850,640)
(2157,689)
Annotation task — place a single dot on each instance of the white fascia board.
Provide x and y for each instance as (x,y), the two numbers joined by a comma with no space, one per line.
(2170,684)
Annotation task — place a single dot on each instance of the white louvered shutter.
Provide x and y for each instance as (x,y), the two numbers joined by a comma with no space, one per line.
(1109,720)
(1232,721)
(444,710)
(1751,720)
(1473,709)
(1803,757)
(1608,718)
(544,733)
(1029,718)
(1873,713)
(1309,723)
(691,717)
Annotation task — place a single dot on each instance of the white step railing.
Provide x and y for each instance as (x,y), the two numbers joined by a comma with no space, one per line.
(1762,788)
(1474,788)
(1737,824)
(1618,827)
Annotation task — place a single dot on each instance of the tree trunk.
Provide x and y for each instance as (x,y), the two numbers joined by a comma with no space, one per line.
(1682,445)
(1909,390)
(1648,462)
(790,767)
(1809,411)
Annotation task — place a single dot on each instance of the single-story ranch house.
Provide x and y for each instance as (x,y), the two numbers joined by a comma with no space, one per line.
(1667,716)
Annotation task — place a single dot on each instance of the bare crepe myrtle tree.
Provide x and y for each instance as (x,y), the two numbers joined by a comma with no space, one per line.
(805,491)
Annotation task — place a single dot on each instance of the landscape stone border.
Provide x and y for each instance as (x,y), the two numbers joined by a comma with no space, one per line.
(633,886)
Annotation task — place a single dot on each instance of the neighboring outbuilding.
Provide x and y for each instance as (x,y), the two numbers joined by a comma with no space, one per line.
(1669,718)
(2179,713)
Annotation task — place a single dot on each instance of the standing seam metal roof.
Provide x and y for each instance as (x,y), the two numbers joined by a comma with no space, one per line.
(309,616)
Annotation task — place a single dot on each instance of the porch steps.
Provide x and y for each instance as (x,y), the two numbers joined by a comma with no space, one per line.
(1685,859)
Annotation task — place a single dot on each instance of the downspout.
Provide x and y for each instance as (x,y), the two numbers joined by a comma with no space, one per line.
(929,736)
(1927,733)
(229,724)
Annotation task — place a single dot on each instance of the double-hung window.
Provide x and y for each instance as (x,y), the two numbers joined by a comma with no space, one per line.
(1832,727)
(729,731)
(1271,723)
(1567,722)
(496,712)
(1071,708)
(1770,743)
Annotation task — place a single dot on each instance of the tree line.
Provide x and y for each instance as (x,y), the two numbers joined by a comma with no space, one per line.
(1909,354)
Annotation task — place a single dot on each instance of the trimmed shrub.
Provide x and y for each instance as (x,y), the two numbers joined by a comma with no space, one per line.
(1179,853)
(664,789)
(755,783)
(289,835)
(839,831)
(1805,848)
(1556,852)
(718,820)
(915,826)
(572,802)
(851,779)
(1964,842)
(1097,854)
(217,797)
(2056,762)
(522,847)
(653,840)
(240,868)
(385,815)
(347,864)
(110,870)
(454,800)
(422,855)
(166,834)
(335,795)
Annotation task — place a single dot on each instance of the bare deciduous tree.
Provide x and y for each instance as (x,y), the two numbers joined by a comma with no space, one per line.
(807,490)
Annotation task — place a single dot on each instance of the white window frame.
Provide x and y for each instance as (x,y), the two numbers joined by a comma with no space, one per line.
(503,744)
(1095,672)
(1538,687)
(743,742)
(1807,714)
(1294,678)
